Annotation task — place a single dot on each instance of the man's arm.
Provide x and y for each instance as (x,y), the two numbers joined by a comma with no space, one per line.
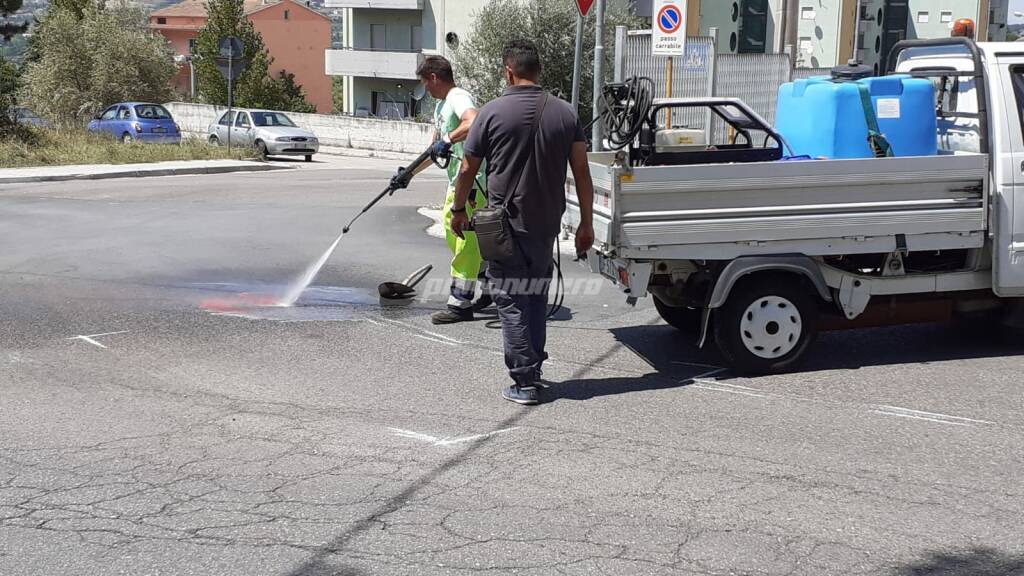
(585,194)
(461,131)
(463,186)
(454,137)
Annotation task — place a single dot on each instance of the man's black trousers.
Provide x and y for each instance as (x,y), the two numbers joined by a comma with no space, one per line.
(520,287)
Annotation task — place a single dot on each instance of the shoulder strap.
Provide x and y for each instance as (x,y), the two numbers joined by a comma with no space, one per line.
(529,158)
(878,142)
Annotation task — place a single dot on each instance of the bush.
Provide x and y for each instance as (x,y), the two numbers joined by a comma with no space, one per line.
(85,63)
(57,147)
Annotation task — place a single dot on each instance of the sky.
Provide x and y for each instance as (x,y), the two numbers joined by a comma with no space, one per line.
(1016,6)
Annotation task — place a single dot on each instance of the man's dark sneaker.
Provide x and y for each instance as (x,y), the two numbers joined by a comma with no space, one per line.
(452,316)
(526,395)
(485,301)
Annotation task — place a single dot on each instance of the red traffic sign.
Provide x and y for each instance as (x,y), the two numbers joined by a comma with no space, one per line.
(670,19)
(584,6)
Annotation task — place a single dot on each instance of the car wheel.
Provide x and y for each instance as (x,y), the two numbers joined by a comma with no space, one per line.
(684,319)
(767,324)
(126,138)
(309,157)
(261,150)
(214,141)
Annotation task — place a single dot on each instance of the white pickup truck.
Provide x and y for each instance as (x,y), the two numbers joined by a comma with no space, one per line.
(758,256)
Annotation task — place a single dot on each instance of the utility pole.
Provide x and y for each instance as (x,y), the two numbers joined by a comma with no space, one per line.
(577,64)
(598,130)
(856,33)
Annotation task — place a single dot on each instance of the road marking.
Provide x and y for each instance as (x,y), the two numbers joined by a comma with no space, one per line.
(716,387)
(445,342)
(90,337)
(929,416)
(446,441)
(422,331)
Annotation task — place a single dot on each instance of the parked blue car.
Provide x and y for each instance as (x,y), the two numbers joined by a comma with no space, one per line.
(138,122)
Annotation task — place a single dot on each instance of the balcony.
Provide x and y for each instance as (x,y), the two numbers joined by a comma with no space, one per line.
(398,64)
(380,4)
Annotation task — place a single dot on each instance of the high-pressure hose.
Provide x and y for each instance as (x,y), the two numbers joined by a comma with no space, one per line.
(624,108)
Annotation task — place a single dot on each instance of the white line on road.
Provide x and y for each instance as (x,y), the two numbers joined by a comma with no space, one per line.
(90,337)
(931,416)
(446,441)
(439,341)
(884,413)
(711,385)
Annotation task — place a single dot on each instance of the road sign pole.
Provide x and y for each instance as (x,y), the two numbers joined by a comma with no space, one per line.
(231,119)
(577,64)
(668,91)
(597,135)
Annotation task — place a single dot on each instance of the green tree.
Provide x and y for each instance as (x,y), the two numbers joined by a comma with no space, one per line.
(551,24)
(255,88)
(9,83)
(84,64)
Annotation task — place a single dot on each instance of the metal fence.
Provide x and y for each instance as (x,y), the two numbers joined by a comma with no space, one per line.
(691,75)
(753,78)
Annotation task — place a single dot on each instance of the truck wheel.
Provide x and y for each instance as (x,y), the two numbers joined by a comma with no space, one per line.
(686,320)
(766,325)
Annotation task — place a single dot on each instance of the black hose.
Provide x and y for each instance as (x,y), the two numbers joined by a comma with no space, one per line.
(626,107)
(558,302)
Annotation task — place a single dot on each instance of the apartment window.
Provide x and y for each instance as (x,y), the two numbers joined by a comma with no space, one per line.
(286,14)
(161,20)
(808,13)
(417,38)
(946,17)
(377,36)
(806,45)
(191,46)
(923,17)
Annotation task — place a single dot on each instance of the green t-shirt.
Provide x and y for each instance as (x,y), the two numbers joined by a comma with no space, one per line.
(447,117)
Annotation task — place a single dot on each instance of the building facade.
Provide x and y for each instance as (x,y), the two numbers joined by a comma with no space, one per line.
(821,33)
(385,40)
(296,37)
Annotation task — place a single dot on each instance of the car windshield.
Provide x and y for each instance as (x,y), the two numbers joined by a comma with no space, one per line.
(152,112)
(271,119)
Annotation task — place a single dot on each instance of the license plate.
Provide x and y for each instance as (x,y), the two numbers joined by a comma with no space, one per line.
(159,130)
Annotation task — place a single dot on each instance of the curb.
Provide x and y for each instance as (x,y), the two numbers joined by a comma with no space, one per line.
(255,167)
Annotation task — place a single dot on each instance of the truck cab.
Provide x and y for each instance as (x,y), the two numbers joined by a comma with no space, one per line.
(756,257)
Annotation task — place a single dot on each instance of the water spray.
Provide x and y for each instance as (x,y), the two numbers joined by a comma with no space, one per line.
(399,181)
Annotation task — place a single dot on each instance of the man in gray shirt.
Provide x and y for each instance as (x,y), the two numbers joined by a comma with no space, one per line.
(531,167)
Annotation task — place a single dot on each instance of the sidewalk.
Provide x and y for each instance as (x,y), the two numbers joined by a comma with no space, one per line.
(103,171)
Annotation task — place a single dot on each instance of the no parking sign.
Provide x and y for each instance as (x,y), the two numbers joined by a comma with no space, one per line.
(668,34)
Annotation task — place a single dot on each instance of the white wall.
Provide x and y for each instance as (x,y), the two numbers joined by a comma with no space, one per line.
(340,131)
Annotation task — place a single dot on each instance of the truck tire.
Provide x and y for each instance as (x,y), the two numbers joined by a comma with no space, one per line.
(686,320)
(766,325)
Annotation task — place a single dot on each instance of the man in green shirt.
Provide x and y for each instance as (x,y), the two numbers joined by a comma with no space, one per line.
(454,114)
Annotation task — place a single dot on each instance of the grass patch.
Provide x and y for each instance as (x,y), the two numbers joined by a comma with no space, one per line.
(63,146)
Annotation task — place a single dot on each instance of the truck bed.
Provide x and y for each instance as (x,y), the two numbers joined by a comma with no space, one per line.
(818,208)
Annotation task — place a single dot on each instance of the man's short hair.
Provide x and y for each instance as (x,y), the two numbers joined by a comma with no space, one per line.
(524,60)
(438,65)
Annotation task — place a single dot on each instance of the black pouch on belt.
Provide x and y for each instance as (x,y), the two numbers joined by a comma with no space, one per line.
(491,224)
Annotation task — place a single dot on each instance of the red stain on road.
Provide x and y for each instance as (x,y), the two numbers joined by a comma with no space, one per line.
(243,301)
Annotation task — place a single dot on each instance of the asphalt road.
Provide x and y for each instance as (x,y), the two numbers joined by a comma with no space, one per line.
(146,430)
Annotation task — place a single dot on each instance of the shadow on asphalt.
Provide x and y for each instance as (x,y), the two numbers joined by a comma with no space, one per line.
(973,562)
(323,561)
(671,352)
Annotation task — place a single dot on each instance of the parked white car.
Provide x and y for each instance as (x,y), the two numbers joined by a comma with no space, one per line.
(270,133)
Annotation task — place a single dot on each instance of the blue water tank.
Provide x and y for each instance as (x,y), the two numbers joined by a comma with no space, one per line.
(821,117)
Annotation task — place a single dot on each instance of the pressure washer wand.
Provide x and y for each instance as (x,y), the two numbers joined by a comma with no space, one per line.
(398,181)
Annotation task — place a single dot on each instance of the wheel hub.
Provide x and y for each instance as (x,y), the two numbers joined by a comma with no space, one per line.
(771,327)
